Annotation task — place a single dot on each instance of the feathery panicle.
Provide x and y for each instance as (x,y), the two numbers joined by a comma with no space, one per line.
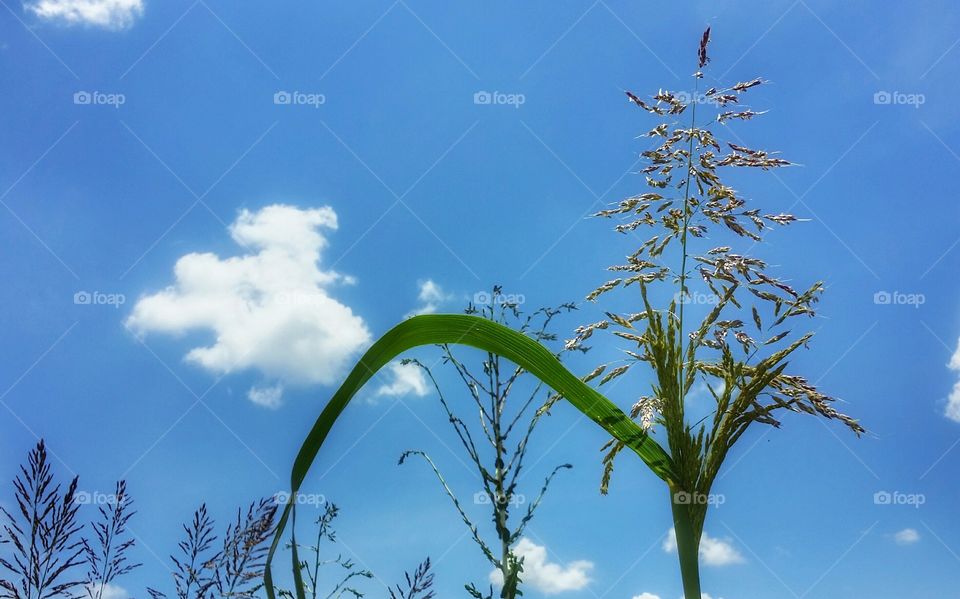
(419,585)
(44,532)
(239,570)
(702,53)
(107,558)
(679,224)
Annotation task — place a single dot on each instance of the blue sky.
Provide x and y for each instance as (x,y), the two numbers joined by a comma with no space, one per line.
(139,134)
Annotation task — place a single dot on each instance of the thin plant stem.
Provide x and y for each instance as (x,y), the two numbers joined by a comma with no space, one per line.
(683,240)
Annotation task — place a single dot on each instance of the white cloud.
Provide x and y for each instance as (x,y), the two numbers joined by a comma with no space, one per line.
(547,577)
(430,297)
(713,552)
(109,591)
(907,536)
(652,596)
(408,379)
(109,14)
(268,397)
(269,309)
(953,402)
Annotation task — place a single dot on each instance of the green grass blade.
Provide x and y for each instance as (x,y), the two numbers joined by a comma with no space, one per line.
(473,331)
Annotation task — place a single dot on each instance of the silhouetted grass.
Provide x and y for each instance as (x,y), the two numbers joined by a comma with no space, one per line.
(44,532)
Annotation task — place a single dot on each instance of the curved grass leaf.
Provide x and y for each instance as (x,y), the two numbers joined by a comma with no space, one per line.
(473,331)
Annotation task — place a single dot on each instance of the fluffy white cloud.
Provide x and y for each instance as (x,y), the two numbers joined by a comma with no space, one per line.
(713,552)
(953,402)
(109,14)
(269,309)
(430,297)
(907,536)
(408,379)
(547,577)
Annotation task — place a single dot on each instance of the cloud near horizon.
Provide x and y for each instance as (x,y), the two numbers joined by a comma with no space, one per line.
(652,596)
(547,577)
(713,551)
(108,591)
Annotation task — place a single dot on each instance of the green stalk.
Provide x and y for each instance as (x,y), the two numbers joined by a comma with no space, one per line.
(688,541)
(688,547)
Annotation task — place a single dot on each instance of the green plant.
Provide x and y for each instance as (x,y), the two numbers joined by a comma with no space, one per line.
(499,465)
(746,378)
(677,353)
(325,532)
(483,334)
